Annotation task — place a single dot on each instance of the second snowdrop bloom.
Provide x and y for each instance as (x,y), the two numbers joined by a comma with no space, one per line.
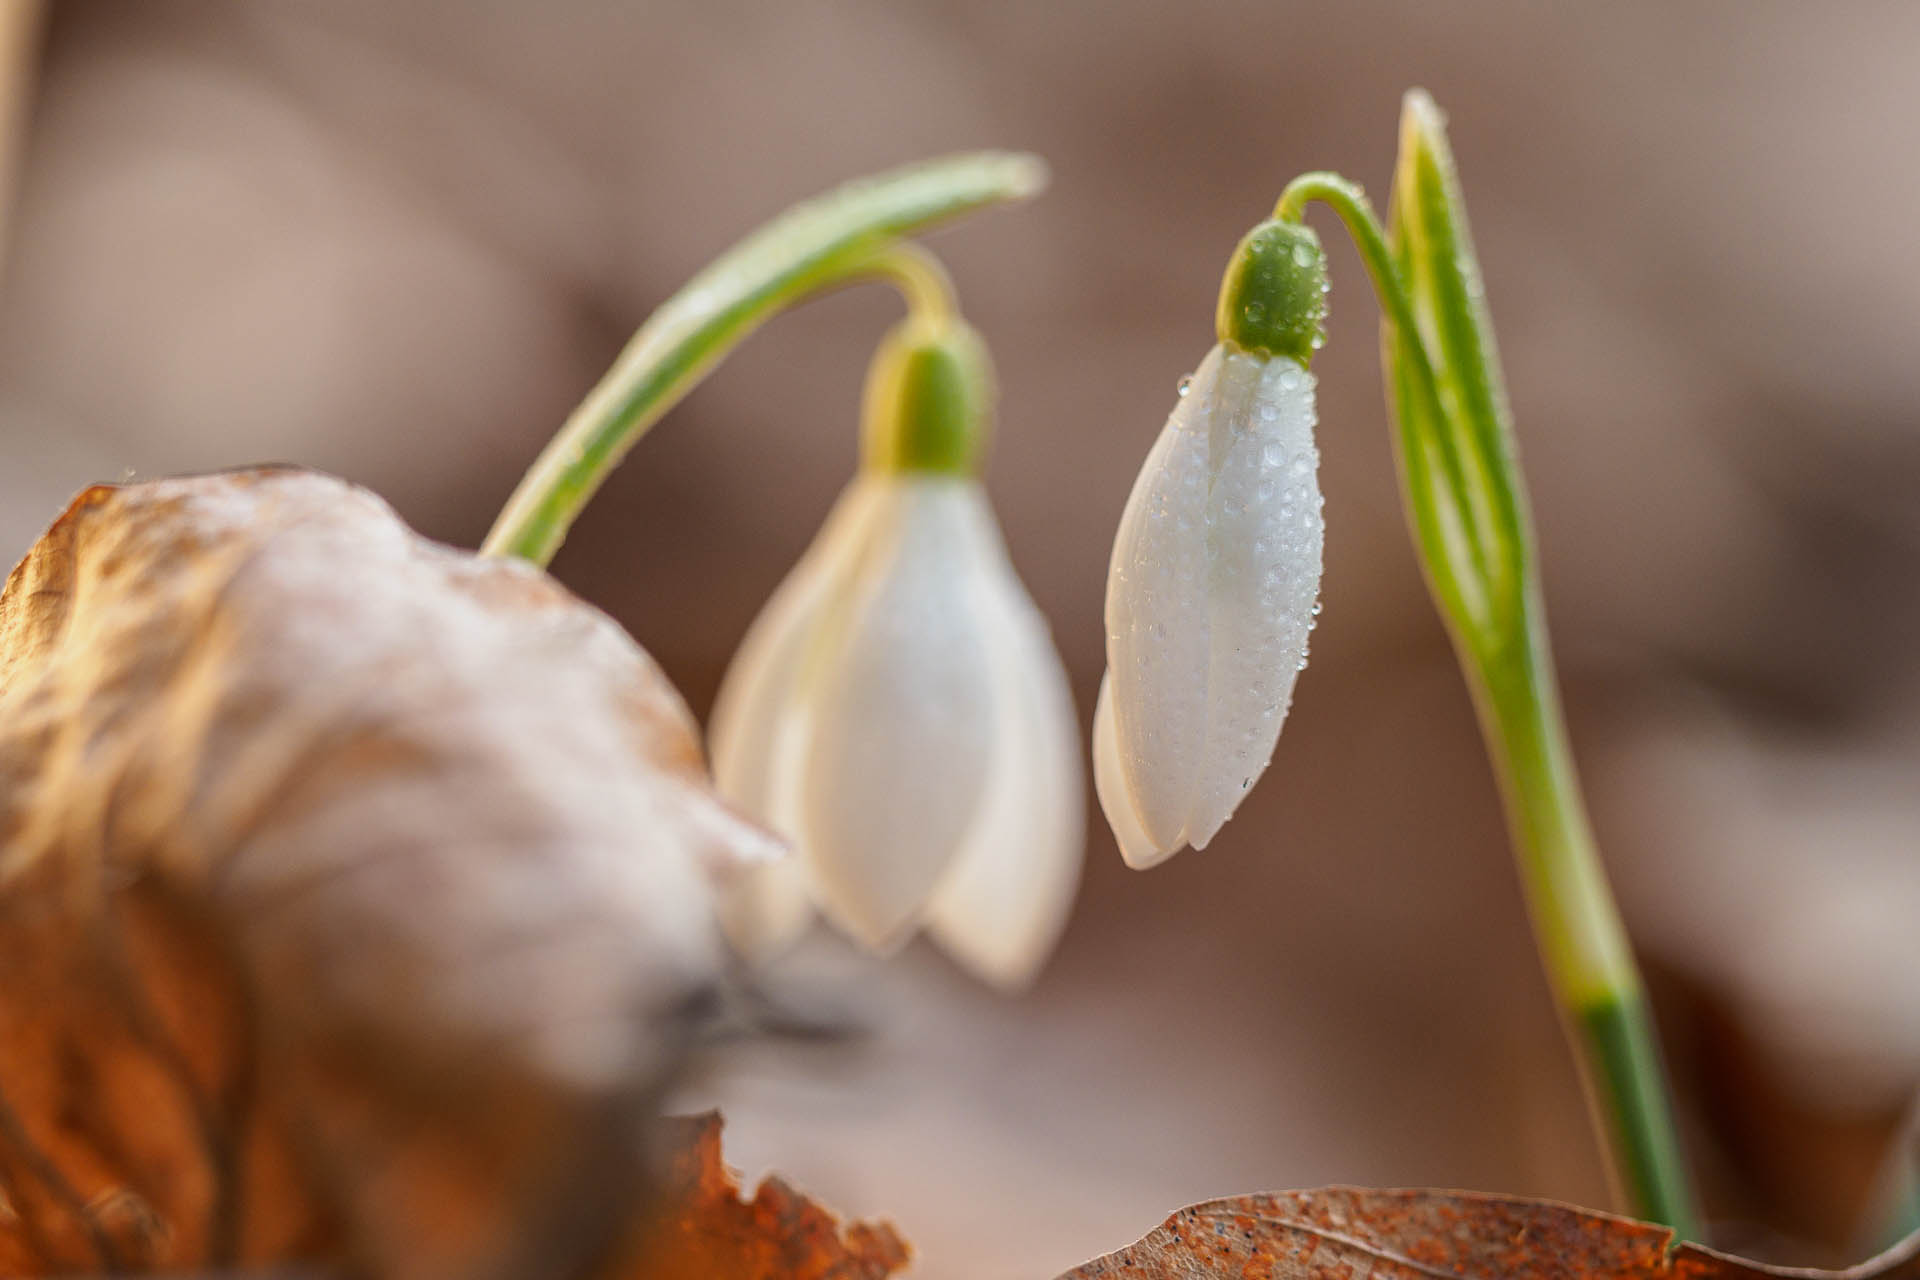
(898,711)
(1215,575)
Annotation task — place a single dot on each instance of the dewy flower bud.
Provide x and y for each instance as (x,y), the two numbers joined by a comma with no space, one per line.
(898,710)
(1216,567)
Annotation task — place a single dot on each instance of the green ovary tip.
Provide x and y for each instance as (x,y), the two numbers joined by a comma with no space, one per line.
(929,399)
(1273,298)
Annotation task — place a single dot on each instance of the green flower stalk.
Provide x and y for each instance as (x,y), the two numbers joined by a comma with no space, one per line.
(1467,509)
(849,234)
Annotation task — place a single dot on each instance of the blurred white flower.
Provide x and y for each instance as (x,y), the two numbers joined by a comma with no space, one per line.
(1210,596)
(898,710)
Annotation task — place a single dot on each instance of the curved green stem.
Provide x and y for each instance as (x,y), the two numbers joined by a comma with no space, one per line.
(923,283)
(1350,202)
(847,235)
(1467,508)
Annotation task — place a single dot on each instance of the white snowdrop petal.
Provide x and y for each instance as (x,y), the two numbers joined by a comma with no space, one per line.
(1265,537)
(904,722)
(760,727)
(759,694)
(1137,848)
(1158,649)
(1001,906)
(766,908)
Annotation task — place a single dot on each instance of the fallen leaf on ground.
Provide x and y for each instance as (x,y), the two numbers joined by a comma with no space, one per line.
(705,1231)
(354,894)
(1351,1233)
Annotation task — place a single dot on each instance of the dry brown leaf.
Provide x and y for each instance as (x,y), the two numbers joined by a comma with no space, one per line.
(705,1231)
(353,892)
(1351,1233)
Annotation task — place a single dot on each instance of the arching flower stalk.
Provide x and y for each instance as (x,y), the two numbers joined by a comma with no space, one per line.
(1215,578)
(847,234)
(898,710)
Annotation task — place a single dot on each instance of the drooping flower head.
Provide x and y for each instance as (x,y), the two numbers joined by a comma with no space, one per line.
(1215,575)
(898,710)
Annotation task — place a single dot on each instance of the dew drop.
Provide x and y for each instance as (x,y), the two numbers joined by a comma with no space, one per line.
(1186,385)
(1302,256)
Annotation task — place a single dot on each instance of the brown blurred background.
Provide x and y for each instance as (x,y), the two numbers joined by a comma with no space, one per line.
(398,241)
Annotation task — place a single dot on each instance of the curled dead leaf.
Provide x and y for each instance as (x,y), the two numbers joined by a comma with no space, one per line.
(1353,1232)
(353,893)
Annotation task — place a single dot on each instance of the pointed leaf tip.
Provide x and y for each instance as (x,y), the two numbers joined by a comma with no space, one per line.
(1026,173)
(1418,107)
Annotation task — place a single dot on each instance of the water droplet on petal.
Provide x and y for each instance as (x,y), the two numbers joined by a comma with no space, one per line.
(1186,385)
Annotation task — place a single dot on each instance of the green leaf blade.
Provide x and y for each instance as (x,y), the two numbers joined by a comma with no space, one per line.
(1429,482)
(1466,500)
(813,245)
(1433,252)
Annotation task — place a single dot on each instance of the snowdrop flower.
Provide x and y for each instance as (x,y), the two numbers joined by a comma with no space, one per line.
(1216,567)
(898,710)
